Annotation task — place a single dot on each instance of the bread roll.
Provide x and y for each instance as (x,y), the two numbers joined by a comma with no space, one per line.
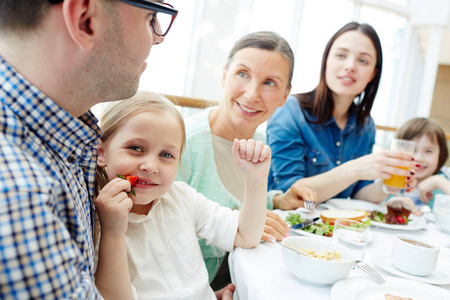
(332,215)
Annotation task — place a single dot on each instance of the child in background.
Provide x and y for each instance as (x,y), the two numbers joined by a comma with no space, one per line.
(144,136)
(431,153)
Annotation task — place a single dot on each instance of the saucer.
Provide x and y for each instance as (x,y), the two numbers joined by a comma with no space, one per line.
(439,276)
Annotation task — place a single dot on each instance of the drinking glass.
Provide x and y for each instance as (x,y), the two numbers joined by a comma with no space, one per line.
(353,235)
(396,184)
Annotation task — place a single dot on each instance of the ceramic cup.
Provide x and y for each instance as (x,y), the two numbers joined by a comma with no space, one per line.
(414,255)
(441,210)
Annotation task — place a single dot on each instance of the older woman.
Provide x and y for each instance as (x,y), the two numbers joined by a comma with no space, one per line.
(323,139)
(256,81)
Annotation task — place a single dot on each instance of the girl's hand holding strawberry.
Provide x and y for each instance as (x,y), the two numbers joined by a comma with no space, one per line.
(113,205)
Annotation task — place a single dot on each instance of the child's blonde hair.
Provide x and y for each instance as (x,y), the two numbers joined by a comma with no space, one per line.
(418,127)
(116,113)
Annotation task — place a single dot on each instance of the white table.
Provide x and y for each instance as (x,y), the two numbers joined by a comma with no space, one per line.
(260,273)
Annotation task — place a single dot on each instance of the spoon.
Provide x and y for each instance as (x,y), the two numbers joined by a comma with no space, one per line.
(292,249)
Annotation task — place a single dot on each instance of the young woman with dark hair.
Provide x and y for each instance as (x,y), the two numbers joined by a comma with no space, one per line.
(323,139)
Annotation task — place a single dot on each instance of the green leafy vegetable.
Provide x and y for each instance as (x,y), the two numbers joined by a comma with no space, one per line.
(294,219)
(360,224)
(367,221)
(378,216)
(318,228)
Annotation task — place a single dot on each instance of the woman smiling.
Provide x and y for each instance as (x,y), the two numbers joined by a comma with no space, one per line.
(256,80)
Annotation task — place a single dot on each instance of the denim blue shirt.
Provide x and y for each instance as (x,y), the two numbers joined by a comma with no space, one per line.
(302,149)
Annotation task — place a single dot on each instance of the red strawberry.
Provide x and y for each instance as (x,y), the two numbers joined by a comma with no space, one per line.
(400,219)
(131,179)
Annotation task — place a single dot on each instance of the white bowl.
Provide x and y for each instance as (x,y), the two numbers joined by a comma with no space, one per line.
(312,270)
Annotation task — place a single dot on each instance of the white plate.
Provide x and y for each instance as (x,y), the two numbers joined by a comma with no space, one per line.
(416,223)
(439,276)
(354,204)
(364,288)
(305,233)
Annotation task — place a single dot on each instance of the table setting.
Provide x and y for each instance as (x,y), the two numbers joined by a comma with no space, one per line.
(273,271)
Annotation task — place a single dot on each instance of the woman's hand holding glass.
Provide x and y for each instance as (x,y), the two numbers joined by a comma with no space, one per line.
(382,165)
(397,184)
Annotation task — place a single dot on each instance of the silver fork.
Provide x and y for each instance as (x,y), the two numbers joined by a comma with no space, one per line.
(370,271)
(310,204)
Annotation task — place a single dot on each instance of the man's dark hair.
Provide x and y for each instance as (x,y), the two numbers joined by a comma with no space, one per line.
(22,15)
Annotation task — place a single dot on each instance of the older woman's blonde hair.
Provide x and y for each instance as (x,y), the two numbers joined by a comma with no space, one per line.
(116,113)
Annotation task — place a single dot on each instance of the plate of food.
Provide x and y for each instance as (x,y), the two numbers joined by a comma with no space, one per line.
(364,288)
(353,204)
(324,227)
(318,229)
(398,217)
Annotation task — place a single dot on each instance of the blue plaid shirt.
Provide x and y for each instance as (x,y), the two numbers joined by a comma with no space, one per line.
(47,171)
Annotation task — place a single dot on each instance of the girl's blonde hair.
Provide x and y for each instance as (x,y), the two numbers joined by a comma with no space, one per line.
(116,113)
(418,127)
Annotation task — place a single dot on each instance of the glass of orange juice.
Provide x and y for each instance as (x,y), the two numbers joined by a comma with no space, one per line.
(396,184)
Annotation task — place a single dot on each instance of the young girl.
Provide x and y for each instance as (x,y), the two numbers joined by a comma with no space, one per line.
(431,153)
(144,137)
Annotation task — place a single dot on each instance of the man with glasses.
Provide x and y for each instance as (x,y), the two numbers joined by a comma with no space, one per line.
(57,59)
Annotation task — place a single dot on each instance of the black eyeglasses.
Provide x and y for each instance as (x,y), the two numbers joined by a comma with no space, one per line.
(161,23)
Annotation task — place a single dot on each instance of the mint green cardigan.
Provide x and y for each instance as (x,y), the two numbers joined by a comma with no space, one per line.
(198,169)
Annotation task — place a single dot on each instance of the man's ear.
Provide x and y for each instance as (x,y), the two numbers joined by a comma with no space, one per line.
(82,19)
(101,160)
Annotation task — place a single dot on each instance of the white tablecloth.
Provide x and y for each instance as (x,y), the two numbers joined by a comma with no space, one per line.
(260,273)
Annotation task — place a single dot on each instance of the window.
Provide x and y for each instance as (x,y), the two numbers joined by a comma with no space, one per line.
(190,60)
